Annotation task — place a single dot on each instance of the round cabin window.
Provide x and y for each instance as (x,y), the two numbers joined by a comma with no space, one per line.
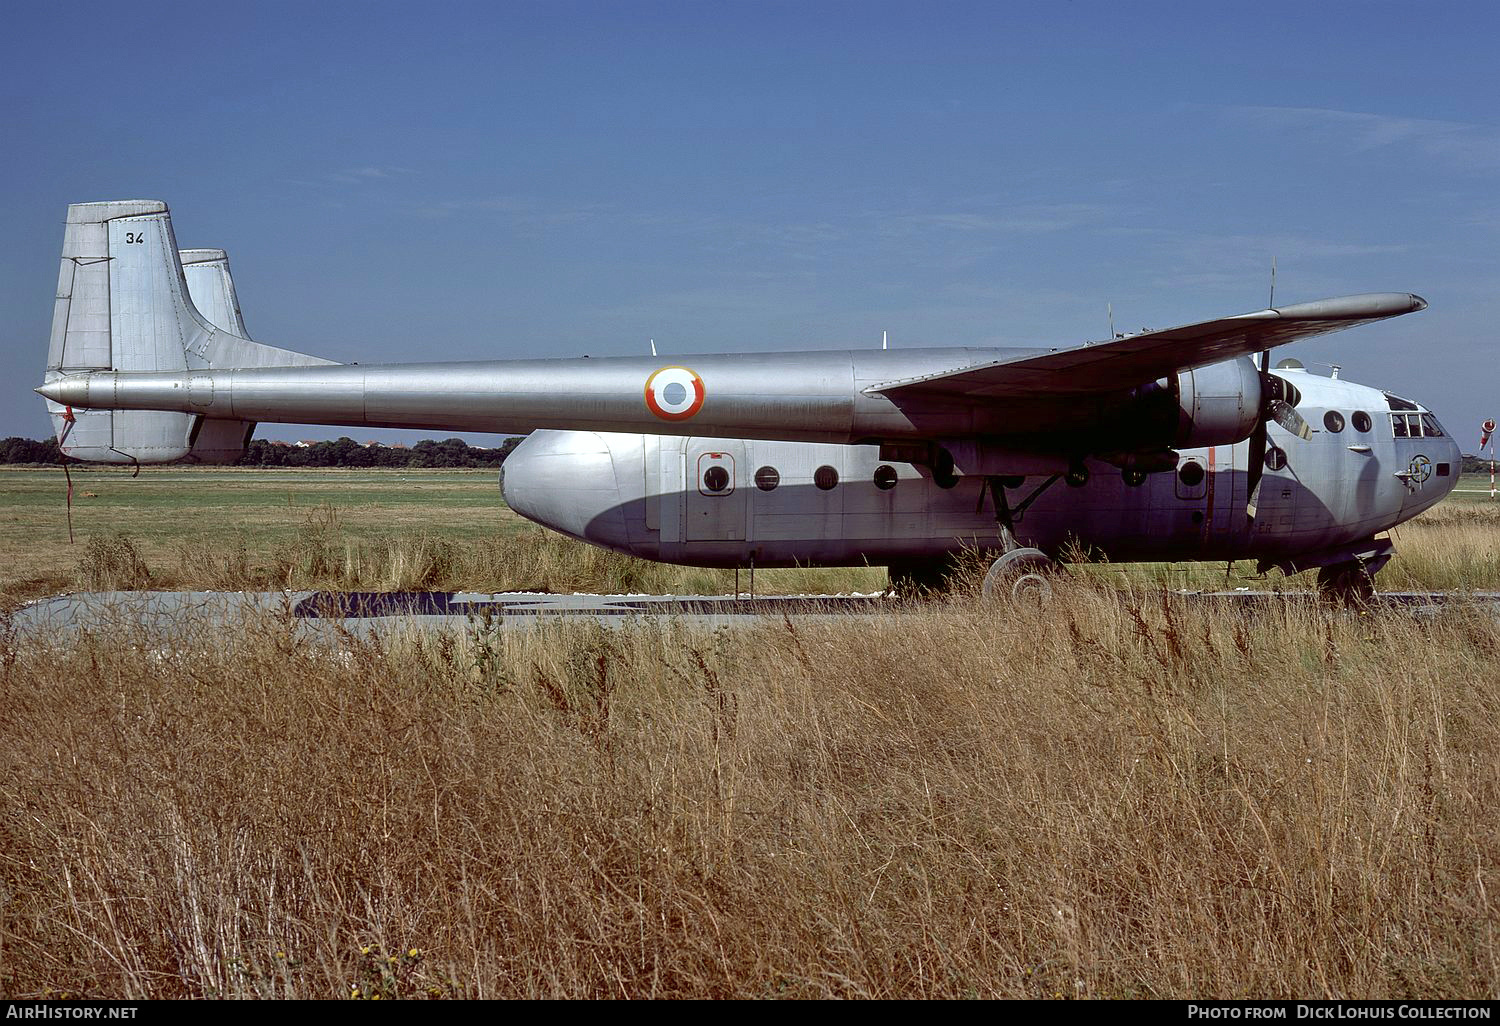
(885,477)
(715,479)
(1361,421)
(825,477)
(767,478)
(1190,473)
(1333,420)
(1275,458)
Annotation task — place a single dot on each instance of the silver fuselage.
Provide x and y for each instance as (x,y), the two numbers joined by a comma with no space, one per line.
(652,496)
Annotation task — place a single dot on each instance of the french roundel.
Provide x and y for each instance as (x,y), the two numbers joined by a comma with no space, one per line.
(674,393)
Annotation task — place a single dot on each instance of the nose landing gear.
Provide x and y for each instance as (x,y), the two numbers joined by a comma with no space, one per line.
(1350,584)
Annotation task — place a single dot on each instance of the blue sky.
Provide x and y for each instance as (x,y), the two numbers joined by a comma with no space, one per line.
(457,181)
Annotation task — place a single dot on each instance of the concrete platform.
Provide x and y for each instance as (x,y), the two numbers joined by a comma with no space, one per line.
(383,611)
(361,611)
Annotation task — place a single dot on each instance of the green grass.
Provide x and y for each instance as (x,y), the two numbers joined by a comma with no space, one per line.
(252,529)
(242,529)
(171,513)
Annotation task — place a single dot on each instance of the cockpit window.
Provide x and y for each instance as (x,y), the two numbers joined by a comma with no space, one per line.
(1415,425)
(1397,403)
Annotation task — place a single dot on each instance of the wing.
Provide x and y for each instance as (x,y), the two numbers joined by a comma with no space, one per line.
(1124,362)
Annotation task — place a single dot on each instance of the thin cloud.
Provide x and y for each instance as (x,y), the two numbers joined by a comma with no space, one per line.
(1462,144)
(519,211)
(365,175)
(1031,219)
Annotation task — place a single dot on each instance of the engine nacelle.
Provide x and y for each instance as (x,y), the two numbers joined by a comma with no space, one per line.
(1219,404)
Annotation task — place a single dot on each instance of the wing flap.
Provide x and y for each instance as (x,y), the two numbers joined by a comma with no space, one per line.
(1126,362)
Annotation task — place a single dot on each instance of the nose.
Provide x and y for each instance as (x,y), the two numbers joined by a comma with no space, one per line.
(565,480)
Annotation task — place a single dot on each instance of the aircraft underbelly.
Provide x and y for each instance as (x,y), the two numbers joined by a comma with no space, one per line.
(718,502)
(789,517)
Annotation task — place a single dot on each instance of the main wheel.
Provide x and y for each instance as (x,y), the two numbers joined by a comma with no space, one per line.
(1348,583)
(1020,574)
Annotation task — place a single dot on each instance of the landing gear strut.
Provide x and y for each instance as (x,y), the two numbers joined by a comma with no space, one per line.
(1020,572)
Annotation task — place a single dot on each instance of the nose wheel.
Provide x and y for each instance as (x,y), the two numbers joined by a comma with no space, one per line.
(1349,584)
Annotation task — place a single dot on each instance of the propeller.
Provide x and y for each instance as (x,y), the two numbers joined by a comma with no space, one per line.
(1279,398)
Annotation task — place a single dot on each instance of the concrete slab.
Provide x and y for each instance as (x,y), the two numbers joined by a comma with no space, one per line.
(383,611)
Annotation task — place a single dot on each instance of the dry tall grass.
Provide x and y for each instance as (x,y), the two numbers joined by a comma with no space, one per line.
(321,555)
(1117,797)
(1452,548)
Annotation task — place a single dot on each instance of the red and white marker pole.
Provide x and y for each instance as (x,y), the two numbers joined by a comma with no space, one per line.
(1487,437)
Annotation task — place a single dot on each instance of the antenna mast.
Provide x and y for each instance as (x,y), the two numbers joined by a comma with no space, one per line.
(1272,303)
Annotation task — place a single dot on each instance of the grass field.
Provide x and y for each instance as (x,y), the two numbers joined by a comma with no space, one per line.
(431,529)
(1116,796)
(267,529)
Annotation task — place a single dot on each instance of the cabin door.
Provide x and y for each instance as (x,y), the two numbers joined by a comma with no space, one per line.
(715,492)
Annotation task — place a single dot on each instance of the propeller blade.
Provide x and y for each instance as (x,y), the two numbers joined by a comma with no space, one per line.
(1256,457)
(1282,413)
(1255,466)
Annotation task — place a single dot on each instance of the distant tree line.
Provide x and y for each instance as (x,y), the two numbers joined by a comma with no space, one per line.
(343,452)
(346,452)
(24,450)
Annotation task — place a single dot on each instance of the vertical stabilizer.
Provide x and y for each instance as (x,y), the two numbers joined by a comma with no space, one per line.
(123,304)
(212,289)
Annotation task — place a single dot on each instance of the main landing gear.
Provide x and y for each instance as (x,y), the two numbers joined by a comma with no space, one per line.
(1020,572)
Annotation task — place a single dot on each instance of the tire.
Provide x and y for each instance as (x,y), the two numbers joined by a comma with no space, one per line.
(1349,584)
(1020,575)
